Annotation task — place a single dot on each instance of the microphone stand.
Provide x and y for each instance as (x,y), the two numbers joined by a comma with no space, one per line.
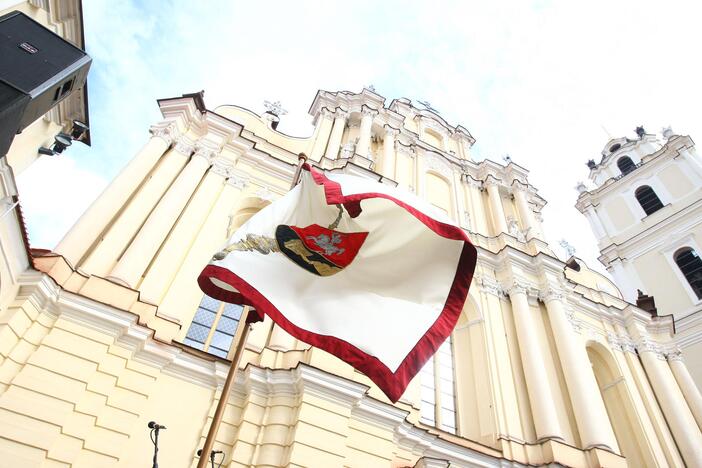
(154,439)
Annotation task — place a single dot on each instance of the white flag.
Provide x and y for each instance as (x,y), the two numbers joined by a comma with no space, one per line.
(369,273)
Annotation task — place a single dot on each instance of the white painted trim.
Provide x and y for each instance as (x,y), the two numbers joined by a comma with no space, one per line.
(669,251)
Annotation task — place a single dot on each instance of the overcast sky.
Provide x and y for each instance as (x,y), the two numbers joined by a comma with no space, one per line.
(541,81)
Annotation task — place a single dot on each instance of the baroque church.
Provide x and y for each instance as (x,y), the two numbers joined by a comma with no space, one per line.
(551,363)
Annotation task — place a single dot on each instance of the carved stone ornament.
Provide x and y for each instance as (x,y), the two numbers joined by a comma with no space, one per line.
(367,111)
(675,355)
(551,294)
(438,165)
(646,345)
(207,153)
(348,148)
(341,114)
(237,181)
(167,133)
(221,166)
(185,146)
(517,287)
(489,286)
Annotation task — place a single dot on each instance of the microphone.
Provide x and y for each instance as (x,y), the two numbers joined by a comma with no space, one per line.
(154,425)
(199,452)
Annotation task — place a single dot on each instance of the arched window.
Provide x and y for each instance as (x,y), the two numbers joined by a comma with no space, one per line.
(626,165)
(438,407)
(648,199)
(691,266)
(213,326)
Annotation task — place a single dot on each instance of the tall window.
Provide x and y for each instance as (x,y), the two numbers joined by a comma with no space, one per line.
(213,326)
(626,165)
(648,199)
(691,266)
(438,407)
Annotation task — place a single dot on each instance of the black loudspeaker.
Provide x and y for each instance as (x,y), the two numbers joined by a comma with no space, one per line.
(38,69)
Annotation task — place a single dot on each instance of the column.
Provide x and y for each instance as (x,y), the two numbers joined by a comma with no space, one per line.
(590,413)
(628,290)
(680,420)
(154,231)
(173,252)
(479,216)
(96,218)
(337,132)
(687,385)
(595,223)
(498,212)
(525,213)
(364,138)
(540,396)
(387,165)
(325,121)
(183,295)
(106,253)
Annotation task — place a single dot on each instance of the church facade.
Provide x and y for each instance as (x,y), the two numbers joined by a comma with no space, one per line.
(549,363)
(646,212)
(109,330)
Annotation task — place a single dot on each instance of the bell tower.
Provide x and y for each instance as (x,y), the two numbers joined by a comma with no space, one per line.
(646,212)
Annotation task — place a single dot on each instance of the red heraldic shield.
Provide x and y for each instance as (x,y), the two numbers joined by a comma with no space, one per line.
(319,250)
(381,286)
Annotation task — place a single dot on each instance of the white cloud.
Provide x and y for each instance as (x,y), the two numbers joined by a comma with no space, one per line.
(536,80)
(54,192)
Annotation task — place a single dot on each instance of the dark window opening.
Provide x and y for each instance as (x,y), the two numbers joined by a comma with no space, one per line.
(626,165)
(648,199)
(690,265)
(614,147)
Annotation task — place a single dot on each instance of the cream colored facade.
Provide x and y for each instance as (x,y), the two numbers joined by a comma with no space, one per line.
(548,363)
(640,249)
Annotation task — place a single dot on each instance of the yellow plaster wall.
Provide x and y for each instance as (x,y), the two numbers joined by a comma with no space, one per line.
(619,213)
(675,181)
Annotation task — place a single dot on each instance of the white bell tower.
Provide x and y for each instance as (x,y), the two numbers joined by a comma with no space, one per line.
(646,211)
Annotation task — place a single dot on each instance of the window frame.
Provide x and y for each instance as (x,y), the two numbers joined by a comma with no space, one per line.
(687,280)
(669,252)
(213,328)
(638,190)
(438,394)
(633,165)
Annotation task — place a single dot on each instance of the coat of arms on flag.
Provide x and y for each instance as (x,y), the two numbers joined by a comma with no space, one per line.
(373,275)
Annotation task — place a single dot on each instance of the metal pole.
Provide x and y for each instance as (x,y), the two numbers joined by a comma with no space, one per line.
(155,461)
(239,341)
(242,330)
(301,159)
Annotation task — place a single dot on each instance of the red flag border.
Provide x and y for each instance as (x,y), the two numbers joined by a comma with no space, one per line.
(392,384)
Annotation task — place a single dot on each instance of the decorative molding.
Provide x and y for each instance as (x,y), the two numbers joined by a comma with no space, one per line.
(675,355)
(489,285)
(368,112)
(265,194)
(340,113)
(184,145)
(237,181)
(167,131)
(221,166)
(434,163)
(551,294)
(646,345)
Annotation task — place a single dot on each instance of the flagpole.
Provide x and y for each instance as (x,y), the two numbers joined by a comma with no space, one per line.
(301,160)
(242,330)
(239,342)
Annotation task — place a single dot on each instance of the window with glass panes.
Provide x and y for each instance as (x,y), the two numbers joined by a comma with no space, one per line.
(213,326)
(438,384)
